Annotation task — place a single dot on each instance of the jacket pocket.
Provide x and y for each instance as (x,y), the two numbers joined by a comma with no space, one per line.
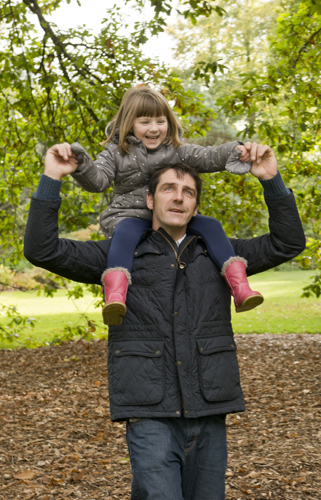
(138,372)
(218,368)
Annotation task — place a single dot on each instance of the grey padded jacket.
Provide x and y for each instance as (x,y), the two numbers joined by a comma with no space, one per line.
(131,172)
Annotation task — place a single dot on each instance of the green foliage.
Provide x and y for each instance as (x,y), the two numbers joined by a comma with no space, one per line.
(204,70)
(282,107)
(237,41)
(79,291)
(58,86)
(61,86)
(191,9)
(313,288)
(236,202)
(16,280)
(52,315)
(270,87)
(195,8)
(16,324)
(85,331)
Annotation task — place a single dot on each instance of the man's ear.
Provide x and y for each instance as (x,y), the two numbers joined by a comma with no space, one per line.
(150,201)
(195,211)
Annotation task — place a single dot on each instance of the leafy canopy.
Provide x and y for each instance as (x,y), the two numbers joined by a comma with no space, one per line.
(263,70)
(61,86)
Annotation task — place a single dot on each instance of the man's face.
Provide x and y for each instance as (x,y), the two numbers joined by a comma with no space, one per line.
(174,203)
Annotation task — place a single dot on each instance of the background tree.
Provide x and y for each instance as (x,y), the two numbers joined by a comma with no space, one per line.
(57,86)
(256,63)
(282,106)
(270,89)
(65,86)
(216,52)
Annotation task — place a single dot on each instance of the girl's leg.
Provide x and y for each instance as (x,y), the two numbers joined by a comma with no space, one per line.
(232,267)
(218,245)
(126,236)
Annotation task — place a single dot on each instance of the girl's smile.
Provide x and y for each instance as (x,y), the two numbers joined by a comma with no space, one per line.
(152,131)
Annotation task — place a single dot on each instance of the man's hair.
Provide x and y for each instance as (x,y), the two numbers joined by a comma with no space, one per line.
(181,169)
(142,101)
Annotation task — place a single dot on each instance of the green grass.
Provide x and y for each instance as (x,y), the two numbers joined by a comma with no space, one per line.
(283,310)
(51,315)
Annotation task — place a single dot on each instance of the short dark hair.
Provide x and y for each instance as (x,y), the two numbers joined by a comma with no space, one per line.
(181,169)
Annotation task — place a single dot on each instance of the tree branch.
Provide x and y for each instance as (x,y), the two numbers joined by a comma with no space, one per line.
(304,46)
(35,9)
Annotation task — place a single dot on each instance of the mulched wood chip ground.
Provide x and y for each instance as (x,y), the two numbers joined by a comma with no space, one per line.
(57,440)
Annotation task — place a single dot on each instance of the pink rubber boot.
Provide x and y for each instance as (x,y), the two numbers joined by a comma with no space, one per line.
(115,283)
(234,273)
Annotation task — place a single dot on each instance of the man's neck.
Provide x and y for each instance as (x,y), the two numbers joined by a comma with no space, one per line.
(178,242)
(175,233)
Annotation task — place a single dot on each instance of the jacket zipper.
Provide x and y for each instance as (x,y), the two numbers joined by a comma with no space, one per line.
(179,263)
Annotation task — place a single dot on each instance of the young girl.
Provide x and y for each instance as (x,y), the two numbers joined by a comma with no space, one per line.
(145,135)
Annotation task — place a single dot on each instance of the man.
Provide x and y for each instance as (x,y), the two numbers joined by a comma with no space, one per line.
(172,365)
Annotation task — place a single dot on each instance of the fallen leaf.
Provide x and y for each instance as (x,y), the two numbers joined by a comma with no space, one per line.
(80,476)
(301,479)
(28,474)
(254,474)
(100,409)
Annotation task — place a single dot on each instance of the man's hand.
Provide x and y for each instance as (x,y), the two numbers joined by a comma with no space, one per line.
(264,164)
(60,161)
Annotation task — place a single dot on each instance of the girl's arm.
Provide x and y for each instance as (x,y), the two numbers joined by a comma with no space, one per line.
(216,158)
(94,176)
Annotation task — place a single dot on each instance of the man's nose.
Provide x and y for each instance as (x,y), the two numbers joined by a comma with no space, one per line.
(178,195)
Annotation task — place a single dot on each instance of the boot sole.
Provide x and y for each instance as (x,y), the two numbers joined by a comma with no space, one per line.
(113,313)
(250,303)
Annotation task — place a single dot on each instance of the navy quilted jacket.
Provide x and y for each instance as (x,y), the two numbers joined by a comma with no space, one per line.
(176,343)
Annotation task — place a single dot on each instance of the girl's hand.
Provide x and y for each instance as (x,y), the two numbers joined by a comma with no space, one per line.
(60,161)
(245,156)
(264,164)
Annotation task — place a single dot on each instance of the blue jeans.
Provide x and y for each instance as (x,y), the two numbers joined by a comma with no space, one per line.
(178,458)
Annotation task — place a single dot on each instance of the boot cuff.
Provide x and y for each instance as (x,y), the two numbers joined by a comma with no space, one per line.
(230,261)
(120,269)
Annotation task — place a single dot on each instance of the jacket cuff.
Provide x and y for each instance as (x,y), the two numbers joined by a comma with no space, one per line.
(48,189)
(275,188)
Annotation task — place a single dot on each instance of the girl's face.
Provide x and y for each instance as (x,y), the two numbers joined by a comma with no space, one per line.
(152,131)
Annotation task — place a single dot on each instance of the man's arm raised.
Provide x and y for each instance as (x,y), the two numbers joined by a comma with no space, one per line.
(75,260)
(286,238)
